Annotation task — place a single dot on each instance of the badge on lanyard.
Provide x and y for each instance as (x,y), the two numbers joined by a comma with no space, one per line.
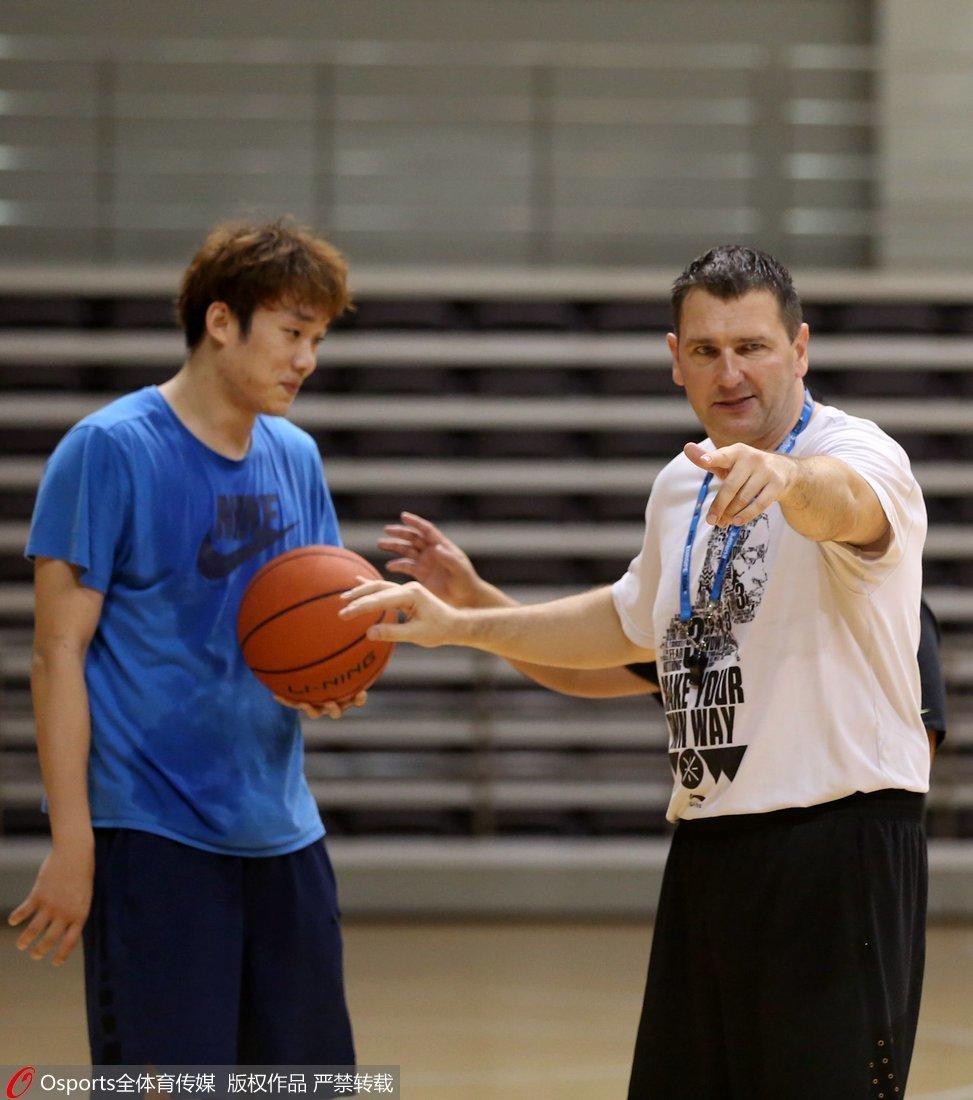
(702,630)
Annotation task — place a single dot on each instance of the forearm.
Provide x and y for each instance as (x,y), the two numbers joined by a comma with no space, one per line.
(602,683)
(60,699)
(578,632)
(828,502)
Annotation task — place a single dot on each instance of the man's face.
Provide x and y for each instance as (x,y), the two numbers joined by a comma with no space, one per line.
(262,371)
(741,371)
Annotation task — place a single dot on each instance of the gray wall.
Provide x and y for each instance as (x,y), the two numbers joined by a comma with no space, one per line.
(926,147)
(478,131)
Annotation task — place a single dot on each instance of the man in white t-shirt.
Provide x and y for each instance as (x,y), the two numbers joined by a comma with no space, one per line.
(778,591)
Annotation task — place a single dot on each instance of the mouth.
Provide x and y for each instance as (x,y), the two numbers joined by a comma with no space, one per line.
(291,387)
(735,404)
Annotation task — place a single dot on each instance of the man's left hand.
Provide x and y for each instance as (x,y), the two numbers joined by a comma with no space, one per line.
(752,481)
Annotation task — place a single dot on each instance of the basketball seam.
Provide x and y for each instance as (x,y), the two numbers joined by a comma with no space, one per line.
(284,611)
(320,660)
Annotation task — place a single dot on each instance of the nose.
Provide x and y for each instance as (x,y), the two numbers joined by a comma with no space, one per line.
(306,358)
(728,368)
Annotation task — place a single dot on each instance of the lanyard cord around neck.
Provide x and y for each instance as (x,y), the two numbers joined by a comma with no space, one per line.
(685,600)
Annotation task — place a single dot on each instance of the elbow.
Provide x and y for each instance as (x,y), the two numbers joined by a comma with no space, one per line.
(573,682)
(54,653)
(40,665)
(865,524)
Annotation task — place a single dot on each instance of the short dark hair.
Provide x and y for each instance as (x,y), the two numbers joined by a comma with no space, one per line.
(731,271)
(248,266)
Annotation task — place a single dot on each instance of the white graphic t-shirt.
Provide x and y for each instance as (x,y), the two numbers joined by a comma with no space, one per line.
(810,689)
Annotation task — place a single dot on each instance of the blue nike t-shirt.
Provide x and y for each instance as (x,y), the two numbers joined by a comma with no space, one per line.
(186,742)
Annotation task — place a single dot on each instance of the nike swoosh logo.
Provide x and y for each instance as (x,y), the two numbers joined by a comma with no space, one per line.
(214,566)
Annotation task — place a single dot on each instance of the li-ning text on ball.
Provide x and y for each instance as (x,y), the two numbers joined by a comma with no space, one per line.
(340,680)
(290,633)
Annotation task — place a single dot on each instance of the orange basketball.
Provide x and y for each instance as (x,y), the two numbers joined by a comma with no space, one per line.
(290,633)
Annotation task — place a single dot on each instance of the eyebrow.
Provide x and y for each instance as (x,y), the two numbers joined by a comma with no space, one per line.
(307,318)
(761,337)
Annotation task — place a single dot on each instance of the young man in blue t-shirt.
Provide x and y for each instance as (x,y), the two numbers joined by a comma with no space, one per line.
(186,843)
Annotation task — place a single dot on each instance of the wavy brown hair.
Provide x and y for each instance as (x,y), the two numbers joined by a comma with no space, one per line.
(248,266)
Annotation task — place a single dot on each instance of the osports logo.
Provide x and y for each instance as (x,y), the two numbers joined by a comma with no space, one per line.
(20,1082)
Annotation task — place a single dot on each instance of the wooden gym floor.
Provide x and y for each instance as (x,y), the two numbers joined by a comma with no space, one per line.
(497,1011)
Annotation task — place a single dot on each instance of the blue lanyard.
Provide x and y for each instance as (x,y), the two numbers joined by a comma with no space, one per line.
(685,600)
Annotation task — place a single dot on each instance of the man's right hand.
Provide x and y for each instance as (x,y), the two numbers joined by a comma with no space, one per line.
(58,905)
(428,556)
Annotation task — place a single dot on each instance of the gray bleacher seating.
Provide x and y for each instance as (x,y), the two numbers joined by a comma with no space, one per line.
(511,315)
(536,450)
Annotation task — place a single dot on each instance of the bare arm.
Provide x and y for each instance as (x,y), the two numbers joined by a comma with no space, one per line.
(588,683)
(581,631)
(827,501)
(427,555)
(66,615)
(821,497)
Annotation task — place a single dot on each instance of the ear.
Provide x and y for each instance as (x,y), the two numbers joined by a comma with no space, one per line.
(221,323)
(800,350)
(673,341)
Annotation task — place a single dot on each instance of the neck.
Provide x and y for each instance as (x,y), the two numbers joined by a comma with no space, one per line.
(201,403)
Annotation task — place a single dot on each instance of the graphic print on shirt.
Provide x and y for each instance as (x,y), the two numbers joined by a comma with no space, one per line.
(700,718)
(243,527)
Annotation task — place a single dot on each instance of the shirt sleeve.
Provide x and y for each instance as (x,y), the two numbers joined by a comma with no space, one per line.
(884,465)
(635,591)
(82,506)
(931,674)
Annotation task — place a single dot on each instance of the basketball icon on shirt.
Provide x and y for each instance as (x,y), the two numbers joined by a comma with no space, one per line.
(691,769)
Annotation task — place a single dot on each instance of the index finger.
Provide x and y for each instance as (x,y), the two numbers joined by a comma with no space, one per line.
(398,546)
(717,461)
(366,588)
(403,534)
(425,527)
(375,596)
(23,911)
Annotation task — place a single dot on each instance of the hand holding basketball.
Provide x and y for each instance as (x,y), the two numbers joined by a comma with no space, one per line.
(429,622)
(292,638)
(332,710)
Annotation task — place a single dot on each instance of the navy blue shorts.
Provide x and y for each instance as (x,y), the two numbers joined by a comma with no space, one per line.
(193,958)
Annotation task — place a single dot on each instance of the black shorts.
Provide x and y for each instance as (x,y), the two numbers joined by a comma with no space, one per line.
(787,956)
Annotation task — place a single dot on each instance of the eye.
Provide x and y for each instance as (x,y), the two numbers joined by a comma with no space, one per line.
(753,345)
(293,332)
